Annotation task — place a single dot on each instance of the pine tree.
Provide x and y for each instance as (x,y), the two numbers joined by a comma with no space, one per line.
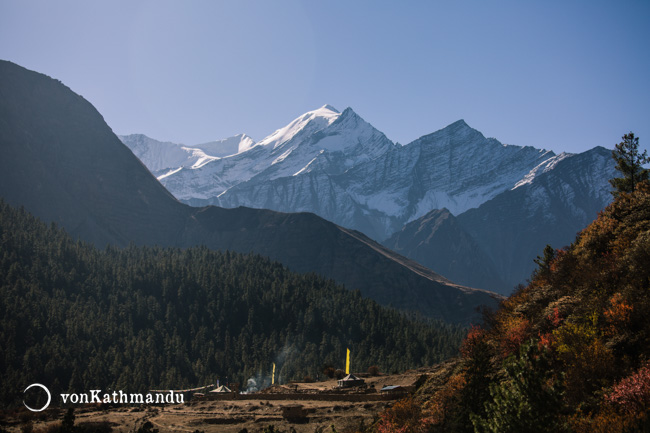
(544,262)
(528,400)
(630,163)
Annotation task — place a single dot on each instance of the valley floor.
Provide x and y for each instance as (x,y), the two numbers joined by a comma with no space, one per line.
(321,406)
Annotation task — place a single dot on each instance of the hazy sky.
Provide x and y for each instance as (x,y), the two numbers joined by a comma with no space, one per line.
(563,75)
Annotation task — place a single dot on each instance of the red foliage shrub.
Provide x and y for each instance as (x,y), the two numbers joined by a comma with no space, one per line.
(632,394)
(618,314)
(474,340)
(546,340)
(555,318)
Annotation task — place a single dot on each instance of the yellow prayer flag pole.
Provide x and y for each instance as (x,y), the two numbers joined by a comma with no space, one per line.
(273,376)
(347,363)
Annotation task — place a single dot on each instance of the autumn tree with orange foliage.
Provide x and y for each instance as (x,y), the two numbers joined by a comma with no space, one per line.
(406,416)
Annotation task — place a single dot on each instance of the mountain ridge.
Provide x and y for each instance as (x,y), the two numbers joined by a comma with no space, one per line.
(514,227)
(455,167)
(439,242)
(414,178)
(84,178)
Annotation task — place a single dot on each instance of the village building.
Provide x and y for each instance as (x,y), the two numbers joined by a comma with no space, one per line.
(350,381)
(394,391)
(221,389)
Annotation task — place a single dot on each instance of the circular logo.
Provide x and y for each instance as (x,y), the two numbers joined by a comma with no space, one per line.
(47,391)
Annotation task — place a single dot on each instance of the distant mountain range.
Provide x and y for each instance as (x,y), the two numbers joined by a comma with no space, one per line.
(508,201)
(60,160)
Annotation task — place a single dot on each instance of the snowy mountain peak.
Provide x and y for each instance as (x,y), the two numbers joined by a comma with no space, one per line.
(350,120)
(329,107)
(166,158)
(457,127)
(349,113)
(308,123)
(326,140)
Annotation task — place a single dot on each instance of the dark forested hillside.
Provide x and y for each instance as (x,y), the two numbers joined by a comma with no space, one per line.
(75,318)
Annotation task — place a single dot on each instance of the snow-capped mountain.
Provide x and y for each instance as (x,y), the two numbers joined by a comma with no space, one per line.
(341,168)
(322,140)
(500,239)
(456,168)
(164,157)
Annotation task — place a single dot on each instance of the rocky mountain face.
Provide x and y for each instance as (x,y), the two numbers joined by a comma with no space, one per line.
(493,246)
(343,169)
(549,207)
(438,241)
(322,141)
(509,201)
(60,160)
(456,168)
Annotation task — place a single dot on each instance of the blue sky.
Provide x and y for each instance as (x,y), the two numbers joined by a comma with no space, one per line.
(563,75)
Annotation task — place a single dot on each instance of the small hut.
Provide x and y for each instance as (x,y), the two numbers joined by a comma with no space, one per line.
(350,381)
(221,390)
(221,393)
(394,391)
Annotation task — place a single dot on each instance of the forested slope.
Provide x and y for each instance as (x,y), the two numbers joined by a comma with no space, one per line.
(569,352)
(76,318)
